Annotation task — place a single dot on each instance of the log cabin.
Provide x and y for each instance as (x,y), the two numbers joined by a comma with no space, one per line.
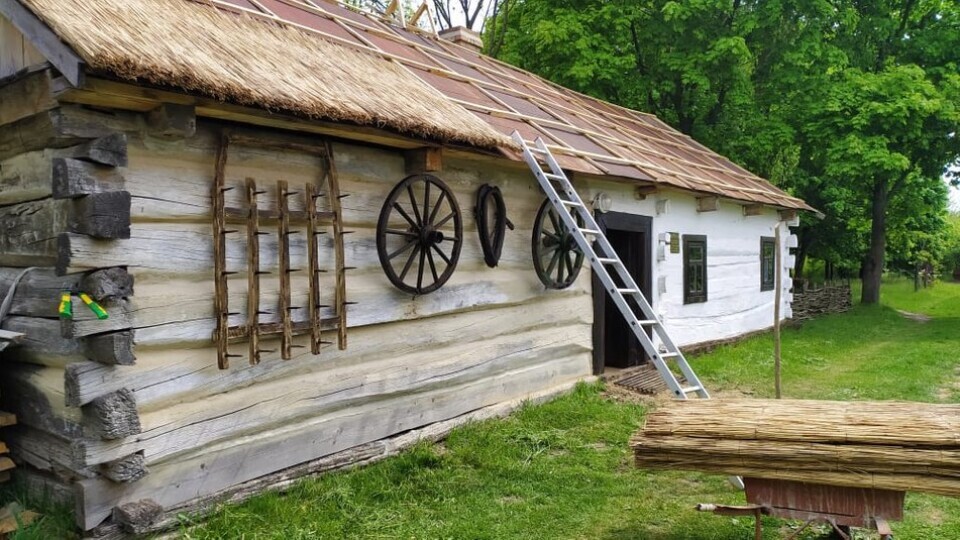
(315,242)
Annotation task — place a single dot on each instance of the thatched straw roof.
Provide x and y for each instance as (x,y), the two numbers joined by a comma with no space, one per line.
(245,60)
(324,60)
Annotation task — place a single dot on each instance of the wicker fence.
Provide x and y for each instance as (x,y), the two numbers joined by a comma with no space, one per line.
(812,301)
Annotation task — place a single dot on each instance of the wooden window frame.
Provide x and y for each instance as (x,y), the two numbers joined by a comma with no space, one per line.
(690,297)
(764,284)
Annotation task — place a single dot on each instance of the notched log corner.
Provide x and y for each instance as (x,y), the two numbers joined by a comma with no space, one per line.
(72,178)
(126,469)
(173,121)
(110,150)
(112,348)
(108,284)
(137,517)
(112,416)
(102,215)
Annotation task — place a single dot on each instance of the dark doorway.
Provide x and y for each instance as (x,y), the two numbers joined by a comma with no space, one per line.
(614,344)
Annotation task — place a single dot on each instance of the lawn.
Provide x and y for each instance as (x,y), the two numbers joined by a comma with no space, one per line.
(563,469)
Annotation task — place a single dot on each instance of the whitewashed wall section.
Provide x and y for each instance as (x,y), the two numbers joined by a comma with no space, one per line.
(735,304)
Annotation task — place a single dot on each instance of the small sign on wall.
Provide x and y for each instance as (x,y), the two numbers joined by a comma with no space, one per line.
(674,242)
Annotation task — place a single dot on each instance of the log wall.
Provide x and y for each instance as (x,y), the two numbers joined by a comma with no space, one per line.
(134,407)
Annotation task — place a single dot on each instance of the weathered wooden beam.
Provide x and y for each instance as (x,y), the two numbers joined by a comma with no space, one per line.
(46,452)
(8,338)
(39,290)
(32,227)
(101,215)
(33,175)
(173,121)
(74,178)
(44,345)
(268,454)
(709,203)
(788,214)
(642,192)
(112,416)
(137,517)
(35,395)
(58,128)
(45,40)
(423,160)
(126,469)
(753,210)
(25,97)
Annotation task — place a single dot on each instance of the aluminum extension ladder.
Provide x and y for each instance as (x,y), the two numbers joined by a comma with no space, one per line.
(603,258)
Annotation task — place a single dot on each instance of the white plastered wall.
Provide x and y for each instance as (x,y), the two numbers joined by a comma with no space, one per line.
(735,304)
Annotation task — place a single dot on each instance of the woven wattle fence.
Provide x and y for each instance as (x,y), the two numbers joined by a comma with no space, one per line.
(883,445)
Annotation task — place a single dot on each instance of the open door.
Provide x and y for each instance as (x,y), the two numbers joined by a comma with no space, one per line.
(614,344)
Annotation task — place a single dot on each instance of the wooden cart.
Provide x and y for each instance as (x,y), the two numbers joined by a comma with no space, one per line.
(841,507)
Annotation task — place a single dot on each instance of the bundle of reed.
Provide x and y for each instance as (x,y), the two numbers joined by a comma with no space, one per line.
(887,445)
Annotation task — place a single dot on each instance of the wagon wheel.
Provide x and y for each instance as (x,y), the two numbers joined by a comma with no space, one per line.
(419,234)
(556,256)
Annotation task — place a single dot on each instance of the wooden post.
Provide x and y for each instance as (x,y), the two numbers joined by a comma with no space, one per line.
(313,259)
(253,272)
(283,233)
(778,285)
(333,191)
(220,254)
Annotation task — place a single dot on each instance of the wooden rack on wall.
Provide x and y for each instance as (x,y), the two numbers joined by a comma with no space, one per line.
(315,223)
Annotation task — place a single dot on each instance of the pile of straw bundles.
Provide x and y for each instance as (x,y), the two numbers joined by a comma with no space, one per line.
(883,445)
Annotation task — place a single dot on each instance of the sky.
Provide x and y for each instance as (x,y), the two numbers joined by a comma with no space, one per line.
(955,199)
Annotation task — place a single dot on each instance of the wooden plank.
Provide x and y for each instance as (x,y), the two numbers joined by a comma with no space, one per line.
(708,204)
(48,453)
(74,178)
(7,419)
(171,431)
(753,210)
(189,374)
(25,97)
(229,464)
(11,49)
(45,41)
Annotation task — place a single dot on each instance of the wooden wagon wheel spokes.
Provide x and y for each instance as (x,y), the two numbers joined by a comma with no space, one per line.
(556,256)
(419,234)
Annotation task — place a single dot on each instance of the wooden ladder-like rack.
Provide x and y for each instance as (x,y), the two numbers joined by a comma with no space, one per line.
(252,216)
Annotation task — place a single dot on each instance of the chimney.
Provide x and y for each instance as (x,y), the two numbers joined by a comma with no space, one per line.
(463,36)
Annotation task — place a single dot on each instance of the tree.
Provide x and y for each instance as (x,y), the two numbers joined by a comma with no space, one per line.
(851,105)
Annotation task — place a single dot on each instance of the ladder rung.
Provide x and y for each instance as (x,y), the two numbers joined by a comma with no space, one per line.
(535,150)
(570,203)
(648,322)
(605,260)
(590,231)
(552,176)
(627,291)
(691,389)
(669,355)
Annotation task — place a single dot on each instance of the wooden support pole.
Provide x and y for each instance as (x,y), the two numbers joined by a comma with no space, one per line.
(283,239)
(173,121)
(778,285)
(708,204)
(253,273)
(340,300)
(220,254)
(423,160)
(313,260)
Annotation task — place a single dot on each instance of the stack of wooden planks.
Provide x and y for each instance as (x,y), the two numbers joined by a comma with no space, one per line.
(882,445)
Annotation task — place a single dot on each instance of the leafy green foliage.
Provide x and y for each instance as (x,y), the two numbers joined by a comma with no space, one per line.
(851,105)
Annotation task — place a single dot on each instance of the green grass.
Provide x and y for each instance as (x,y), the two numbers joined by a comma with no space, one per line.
(562,470)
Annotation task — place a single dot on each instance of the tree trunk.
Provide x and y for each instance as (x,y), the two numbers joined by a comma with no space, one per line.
(873,264)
